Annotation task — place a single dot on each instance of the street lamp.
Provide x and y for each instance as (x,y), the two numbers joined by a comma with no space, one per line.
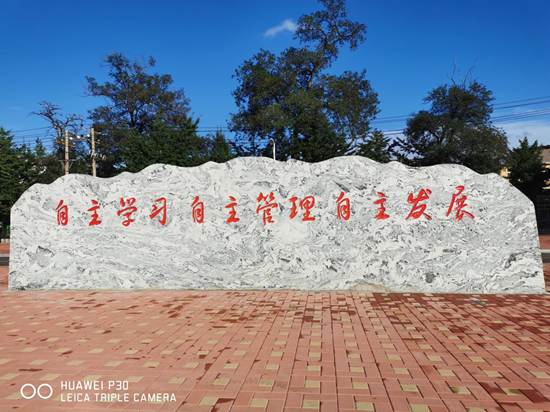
(273,145)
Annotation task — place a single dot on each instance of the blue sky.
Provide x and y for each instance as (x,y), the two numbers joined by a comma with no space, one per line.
(47,48)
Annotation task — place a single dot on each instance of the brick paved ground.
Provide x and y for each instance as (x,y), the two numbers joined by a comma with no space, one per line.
(256,351)
(544,241)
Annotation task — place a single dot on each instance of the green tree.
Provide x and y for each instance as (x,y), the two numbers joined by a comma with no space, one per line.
(456,129)
(17,173)
(219,148)
(376,148)
(141,105)
(310,114)
(161,143)
(47,164)
(527,171)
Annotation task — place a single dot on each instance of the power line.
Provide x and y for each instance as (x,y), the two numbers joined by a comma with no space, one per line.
(388,119)
(496,106)
(522,100)
(501,106)
(28,130)
(497,119)
(532,113)
(522,105)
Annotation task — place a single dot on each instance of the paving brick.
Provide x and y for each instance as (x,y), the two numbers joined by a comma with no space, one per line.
(280,350)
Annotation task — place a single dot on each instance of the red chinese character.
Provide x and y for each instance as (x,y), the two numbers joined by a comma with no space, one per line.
(62,213)
(306,204)
(381,212)
(419,210)
(269,203)
(232,211)
(198,210)
(343,209)
(95,216)
(458,201)
(157,210)
(128,209)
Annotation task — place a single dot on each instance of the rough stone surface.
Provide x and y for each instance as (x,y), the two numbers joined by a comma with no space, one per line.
(495,252)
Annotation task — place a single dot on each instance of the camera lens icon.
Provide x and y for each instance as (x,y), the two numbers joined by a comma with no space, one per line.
(43,391)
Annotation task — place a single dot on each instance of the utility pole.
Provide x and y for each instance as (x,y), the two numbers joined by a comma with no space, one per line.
(92,137)
(66,161)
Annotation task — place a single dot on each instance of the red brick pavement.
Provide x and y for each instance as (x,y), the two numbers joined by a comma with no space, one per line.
(279,350)
(544,241)
(4,248)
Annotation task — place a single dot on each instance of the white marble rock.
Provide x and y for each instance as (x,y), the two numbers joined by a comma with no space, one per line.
(496,252)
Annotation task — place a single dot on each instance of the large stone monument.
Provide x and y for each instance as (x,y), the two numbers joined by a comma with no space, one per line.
(255,223)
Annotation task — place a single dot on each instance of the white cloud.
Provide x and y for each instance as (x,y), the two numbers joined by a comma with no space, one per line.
(532,129)
(286,25)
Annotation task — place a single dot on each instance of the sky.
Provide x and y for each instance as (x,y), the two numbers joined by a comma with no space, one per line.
(47,49)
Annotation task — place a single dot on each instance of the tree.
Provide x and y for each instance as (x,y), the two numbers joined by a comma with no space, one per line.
(376,148)
(219,148)
(17,173)
(163,144)
(47,165)
(310,114)
(59,122)
(527,171)
(140,106)
(456,129)
(62,123)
